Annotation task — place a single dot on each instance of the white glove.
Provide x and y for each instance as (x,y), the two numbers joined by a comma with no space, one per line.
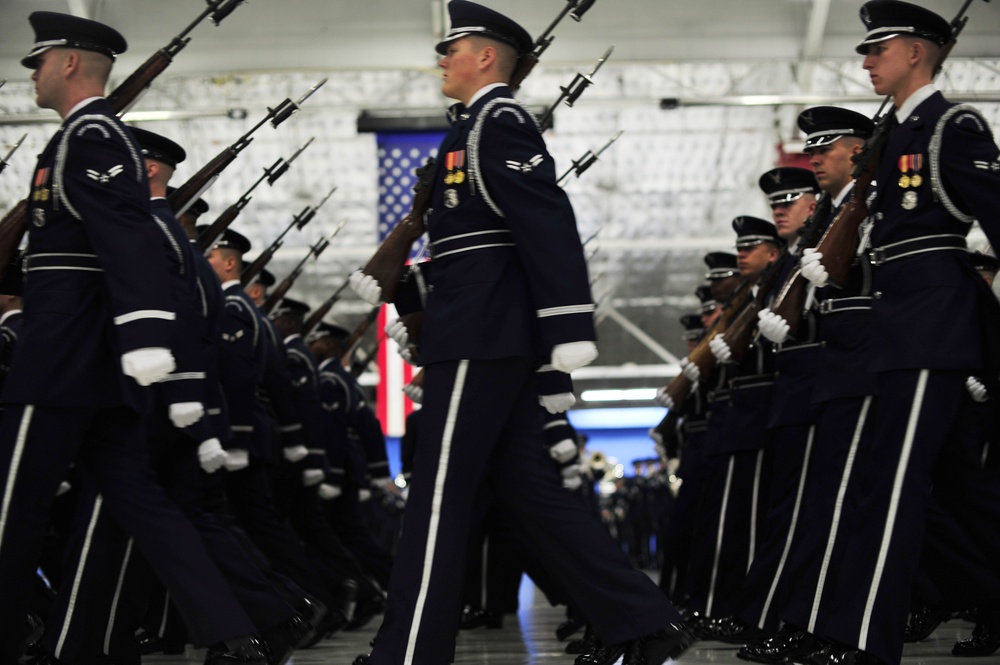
(720,349)
(327,492)
(63,488)
(406,353)
(295,453)
(183,414)
(673,464)
(563,451)
(573,355)
(976,389)
(211,456)
(557,403)
(237,459)
(811,267)
(415,393)
(364,495)
(396,329)
(571,476)
(149,365)
(312,477)
(366,287)
(772,326)
(690,369)
(663,399)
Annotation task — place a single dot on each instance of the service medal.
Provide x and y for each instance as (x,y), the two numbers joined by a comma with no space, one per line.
(459,177)
(450,198)
(449,179)
(916,180)
(904,181)
(909,200)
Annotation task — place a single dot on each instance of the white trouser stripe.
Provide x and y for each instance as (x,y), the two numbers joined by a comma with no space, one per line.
(118,592)
(15,462)
(753,509)
(432,526)
(897,490)
(837,508)
(718,538)
(81,564)
(163,618)
(791,529)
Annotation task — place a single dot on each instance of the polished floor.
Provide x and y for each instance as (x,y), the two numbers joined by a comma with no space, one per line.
(528,638)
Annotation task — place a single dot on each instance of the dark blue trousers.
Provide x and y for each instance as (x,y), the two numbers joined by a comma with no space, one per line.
(758,598)
(869,597)
(37,447)
(482,425)
(840,428)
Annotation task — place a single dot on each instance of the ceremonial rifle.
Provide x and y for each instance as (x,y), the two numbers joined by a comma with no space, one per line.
(298,221)
(14,223)
(702,355)
(275,296)
(6,158)
(576,9)
(790,300)
(207,239)
(355,337)
(184,196)
(320,312)
(741,328)
(838,242)
(572,92)
(132,88)
(388,265)
(587,160)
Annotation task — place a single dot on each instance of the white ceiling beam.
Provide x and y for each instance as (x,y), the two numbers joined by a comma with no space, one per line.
(82,8)
(813,44)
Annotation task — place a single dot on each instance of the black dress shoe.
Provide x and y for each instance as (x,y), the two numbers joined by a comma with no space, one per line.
(654,649)
(246,651)
(479,618)
(848,656)
(924,621)
(586,644)
(985,640)
(365,611)
(789,643)
(732,630)
(313,612)
(568,628)
(151,644)
(280,640)
(602,655)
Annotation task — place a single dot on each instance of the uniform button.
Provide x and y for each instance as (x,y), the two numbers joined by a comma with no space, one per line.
(877,295)
(823,344)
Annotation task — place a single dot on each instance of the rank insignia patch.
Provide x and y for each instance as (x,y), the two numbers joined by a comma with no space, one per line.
(105,178)
(525,167)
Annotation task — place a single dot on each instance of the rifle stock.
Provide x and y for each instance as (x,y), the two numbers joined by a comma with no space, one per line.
(389,261)
(320,312)
(207,238)
(357,334)
(12,229)
(258,264)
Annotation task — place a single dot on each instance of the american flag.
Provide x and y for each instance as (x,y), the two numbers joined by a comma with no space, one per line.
(399,156)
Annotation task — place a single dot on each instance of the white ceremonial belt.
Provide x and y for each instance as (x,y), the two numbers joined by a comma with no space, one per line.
(912,246)
(854,303)
(62,261)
